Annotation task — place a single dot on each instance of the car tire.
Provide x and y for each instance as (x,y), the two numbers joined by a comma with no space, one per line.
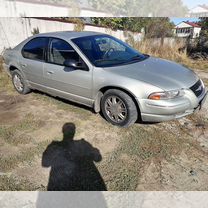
(19,82)
(118,108)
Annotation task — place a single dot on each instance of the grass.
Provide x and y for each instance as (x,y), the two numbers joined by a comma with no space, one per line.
(15,184)
(205,82)
(16,134)
(139,146)
(63,104)
(5,80)
(173,53)
(26,155)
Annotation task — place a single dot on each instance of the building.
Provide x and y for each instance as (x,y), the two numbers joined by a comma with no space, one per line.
(199,11)
(187,29)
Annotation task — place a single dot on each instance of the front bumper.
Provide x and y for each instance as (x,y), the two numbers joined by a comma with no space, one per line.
(164,110)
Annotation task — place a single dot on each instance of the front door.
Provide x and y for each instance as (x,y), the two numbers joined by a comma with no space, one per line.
(68,82)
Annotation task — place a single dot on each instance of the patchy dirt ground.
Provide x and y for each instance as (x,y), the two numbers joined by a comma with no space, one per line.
(34,152)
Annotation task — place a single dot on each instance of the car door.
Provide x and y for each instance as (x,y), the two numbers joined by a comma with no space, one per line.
(31,62)
(67,82)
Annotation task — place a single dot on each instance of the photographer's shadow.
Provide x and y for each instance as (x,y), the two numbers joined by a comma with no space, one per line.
(72,164)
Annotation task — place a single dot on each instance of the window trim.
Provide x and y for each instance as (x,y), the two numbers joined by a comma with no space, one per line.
(44,52)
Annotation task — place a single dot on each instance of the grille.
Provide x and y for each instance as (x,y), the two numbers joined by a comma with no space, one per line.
(197,88)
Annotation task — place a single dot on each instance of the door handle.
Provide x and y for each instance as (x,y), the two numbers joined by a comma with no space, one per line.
(50,72)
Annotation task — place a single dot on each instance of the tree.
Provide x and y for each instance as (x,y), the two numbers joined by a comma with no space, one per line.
(204,24)
(134,24)
(141,8)
(154,27)
(203,38)
(159,28)
(115,23)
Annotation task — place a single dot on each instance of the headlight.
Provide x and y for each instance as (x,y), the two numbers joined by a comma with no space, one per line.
(166,95)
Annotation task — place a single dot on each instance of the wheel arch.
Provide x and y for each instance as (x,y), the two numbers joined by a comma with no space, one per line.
(12,68)
(104,89)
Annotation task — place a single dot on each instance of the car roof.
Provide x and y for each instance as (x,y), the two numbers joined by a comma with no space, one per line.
(68,34)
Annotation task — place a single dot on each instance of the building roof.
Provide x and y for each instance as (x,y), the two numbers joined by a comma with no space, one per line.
(68,34)
(193,24)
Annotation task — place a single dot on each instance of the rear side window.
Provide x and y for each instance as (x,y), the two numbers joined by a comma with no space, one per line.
(35,49)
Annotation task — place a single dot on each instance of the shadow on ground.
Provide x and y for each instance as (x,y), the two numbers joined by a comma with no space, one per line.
(72,164)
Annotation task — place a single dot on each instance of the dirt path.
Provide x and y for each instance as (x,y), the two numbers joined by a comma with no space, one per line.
(165,156)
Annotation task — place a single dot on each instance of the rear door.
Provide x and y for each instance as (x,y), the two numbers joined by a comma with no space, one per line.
(68,82)
(32,60)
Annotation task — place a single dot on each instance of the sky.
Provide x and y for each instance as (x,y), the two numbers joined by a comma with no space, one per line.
(192,3)
(178,20)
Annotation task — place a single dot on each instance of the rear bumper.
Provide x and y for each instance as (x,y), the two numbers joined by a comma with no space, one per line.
(158,111)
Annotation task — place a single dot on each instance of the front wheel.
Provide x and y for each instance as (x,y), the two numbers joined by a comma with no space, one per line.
(118,108)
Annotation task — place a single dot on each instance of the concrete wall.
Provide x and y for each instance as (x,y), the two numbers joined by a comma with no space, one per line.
(15,30)
(23,8)
(20,9)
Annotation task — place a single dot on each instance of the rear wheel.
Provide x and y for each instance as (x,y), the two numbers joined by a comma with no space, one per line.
(118,108)
(19,82)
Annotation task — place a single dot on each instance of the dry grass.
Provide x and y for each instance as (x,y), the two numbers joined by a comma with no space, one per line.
(5,80)
(176,53)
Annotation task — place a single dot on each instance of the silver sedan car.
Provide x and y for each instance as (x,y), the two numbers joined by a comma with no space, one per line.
(102,72)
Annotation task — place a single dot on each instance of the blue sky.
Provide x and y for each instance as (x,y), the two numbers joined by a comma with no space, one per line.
(178,20)
(192,3)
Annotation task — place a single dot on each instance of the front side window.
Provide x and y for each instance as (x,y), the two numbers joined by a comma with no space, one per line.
(60,51)
(35,49)
(104,50)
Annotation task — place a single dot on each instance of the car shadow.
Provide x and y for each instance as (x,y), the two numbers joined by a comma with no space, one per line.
(37,92)
(72,164)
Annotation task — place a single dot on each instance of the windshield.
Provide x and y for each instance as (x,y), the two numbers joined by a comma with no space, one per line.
(105,51)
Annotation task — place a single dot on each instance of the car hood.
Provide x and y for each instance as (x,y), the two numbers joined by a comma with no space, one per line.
(164,74)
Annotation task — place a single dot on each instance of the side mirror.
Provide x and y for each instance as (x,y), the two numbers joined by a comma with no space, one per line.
(74,64)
